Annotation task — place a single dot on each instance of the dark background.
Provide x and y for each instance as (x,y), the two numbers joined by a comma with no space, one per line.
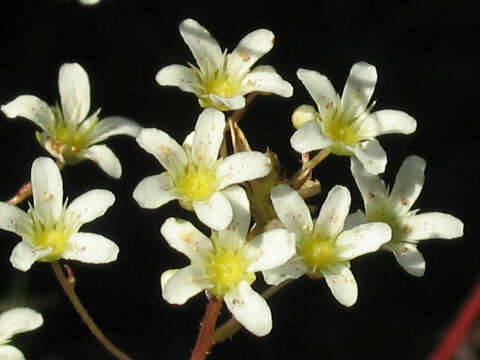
(424,53)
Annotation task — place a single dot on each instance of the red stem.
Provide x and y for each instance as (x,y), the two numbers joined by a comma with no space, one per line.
(460,327)
(207,329)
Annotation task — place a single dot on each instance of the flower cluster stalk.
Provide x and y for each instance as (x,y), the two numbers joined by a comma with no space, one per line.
(205,338)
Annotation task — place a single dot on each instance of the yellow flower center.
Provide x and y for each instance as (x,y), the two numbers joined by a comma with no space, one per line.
(74,140)
(220,86)
(385,215)
(196,184)
(54,239)
(225,269)
(318,252)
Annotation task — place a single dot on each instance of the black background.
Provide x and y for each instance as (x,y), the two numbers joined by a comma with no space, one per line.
(424,54)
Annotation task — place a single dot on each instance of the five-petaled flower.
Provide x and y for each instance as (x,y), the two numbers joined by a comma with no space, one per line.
(324,248)
(221,80)
(394,208)
(49,229)
(345,125)
(194,175)
(225,264)
(68,133)
(14,321)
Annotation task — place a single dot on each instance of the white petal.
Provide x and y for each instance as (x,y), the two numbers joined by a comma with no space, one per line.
(242,166)
(292,269)
(47,189)
(23,255)
(186,238)
(31,108)
(216,212)
(372,156)
(105,159)
(432,225)
(74,88)
(268,82)
(270,249)
(18,320)
(235,102)
(165,149)
(180,76)
(111,126)
(387,122)
(342,284)
(310,137)
(291,209)
(371,186)
(14,219)
(363,239)
(166,276)
(249,309)
(408,184)
(251,48)
(238,228)
(89,206)
(359,88)
(9,352)
(410,259)
(354,219)
(334,211)
(184,283)
(203,46)
(154,191)
(320,89)
(208,137)
(91,248)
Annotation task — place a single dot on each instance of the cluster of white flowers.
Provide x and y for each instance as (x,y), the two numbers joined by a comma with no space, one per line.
(206,180)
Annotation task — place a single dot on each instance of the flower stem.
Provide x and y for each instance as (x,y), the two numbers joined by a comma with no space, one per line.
(68,284)
(305,172)
(205,338)
(460,327)
(23,193)
(232,326)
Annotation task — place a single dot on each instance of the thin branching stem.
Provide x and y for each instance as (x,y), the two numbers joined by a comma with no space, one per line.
(68,285)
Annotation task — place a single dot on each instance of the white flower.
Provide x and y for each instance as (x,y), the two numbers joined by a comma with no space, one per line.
(226,263)
(89,2)
(394,208)
(221,80)
(49,230)
(345,125)
(193,174)
(16,321)
(324,248)
(68,133)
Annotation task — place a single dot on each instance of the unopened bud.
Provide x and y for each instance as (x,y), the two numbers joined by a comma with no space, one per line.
(303,114)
